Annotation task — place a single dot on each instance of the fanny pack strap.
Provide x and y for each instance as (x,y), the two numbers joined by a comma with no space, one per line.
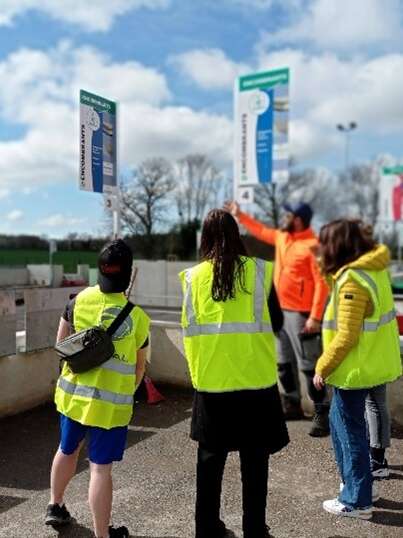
(117,322)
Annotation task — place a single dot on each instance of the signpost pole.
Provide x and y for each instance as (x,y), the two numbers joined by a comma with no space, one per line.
(116,217)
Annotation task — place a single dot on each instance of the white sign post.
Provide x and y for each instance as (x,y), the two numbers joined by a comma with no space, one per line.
(98,149)
(261,131)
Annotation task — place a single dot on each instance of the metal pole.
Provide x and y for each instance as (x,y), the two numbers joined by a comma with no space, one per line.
(347,149)
(116,217)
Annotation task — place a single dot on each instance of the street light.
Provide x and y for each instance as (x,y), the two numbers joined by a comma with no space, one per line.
(346,129)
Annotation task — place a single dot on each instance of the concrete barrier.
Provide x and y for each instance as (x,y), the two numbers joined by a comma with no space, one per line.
(13,276)
(43,308)
(157,283)
(8,323)
(28,379)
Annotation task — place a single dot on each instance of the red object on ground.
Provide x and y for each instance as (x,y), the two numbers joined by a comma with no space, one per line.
(399,318)
(153,395)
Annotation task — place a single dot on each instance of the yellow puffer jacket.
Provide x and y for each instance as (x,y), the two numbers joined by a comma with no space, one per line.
(354,304)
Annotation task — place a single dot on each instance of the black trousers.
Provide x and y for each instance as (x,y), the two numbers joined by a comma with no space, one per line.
(254,472)
(287,379)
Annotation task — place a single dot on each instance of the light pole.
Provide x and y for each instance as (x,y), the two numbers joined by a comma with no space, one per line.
(346,129)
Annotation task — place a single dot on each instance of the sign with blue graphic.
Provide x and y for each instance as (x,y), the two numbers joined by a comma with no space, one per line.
(261,131)
(98,162)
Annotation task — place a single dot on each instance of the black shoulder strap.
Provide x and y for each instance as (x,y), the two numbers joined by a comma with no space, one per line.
(117,322)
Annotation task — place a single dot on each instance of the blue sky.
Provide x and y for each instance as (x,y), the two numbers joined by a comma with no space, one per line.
(171,66)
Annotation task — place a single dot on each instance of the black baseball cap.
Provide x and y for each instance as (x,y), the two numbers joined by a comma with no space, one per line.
(115,267)
(301,210)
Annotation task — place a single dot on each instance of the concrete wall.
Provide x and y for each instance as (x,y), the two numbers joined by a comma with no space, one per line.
(168,363)
(157,283)
(45,275)
(27,380)
(8,323)
(35,374)
(13,276)
(43,308)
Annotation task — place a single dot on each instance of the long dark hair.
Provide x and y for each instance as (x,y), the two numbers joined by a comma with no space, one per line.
(342,241)
(222,244)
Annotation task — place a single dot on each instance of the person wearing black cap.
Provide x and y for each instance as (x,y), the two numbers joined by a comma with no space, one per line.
(302,293)
(98,403)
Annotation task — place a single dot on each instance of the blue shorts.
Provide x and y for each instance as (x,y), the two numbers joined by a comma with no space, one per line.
(104,446)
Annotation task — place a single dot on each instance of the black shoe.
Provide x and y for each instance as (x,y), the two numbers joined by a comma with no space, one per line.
(320,425)
(292,410)
(119,532)
(265,534)
(57,515)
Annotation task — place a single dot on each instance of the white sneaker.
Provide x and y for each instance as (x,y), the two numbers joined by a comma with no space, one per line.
(375,493)
(334,506)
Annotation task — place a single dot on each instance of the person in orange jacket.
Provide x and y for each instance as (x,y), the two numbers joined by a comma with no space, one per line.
(302,293)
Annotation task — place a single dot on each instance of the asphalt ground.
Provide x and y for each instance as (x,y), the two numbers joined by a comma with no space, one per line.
(155,483)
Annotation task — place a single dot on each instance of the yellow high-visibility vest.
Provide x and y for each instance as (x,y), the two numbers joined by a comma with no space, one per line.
(229,345)
(376,357)
(103,396)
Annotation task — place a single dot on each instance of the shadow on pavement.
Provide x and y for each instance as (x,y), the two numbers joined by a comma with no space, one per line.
(395,476)
(174,409)
(388,504)
(75,530)
(7,502)
(397,430)
(391,519)
(31,439)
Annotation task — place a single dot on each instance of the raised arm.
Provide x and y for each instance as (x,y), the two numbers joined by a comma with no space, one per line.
(254,227)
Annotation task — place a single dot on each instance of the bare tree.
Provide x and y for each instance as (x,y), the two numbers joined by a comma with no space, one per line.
(316,186)
(198,187)
(145,197)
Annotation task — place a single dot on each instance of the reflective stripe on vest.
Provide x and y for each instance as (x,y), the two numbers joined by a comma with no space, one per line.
(257,326)
(368,326)
(94,393)
(115,365)
(375,359)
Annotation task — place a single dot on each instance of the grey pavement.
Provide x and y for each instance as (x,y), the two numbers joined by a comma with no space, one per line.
(155,483)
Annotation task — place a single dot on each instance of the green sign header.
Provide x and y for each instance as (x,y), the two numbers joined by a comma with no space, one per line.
(393,170)
(266,79)
(100,104)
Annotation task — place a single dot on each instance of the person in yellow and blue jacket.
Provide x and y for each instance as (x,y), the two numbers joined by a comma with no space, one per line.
(361,354)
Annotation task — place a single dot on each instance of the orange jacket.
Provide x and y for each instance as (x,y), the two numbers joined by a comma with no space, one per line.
(297,277)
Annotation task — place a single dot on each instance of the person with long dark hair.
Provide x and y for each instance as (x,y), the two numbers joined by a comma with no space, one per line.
(302,294)
(361,352)
(230,312)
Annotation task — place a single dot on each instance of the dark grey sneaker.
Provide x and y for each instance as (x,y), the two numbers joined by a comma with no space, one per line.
(320,425)
(57,515)
(380,470)
(119,532)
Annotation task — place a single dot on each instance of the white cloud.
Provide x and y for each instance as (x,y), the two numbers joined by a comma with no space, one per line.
(342,24)
(258,4)
(325,89)
(59,220)
(42,94)
(91,16)
(266,4)
(15,215)
(4,193)
(209,68)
